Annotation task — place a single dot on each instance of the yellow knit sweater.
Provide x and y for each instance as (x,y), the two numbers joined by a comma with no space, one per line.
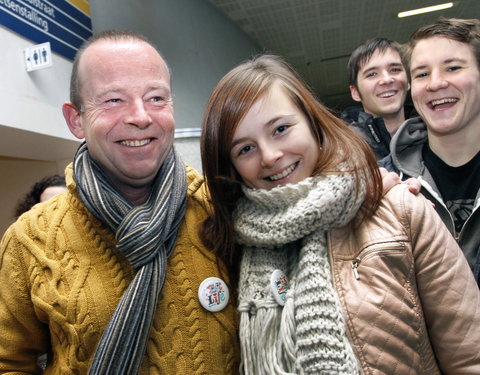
(61,278)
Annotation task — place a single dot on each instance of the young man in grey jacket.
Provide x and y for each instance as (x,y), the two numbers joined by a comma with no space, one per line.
(442,146)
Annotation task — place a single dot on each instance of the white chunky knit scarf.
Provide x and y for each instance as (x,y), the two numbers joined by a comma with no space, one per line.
(285,228)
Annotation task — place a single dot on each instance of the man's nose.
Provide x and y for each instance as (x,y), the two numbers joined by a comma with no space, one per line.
(138,114)
(436,82)
(386,78)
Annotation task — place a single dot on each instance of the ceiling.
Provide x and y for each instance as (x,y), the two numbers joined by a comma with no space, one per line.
(317,36)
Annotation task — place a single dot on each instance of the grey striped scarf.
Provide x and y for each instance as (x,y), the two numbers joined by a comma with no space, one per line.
(146,236)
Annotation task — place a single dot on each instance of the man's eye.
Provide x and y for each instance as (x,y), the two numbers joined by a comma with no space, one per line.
(157,99)
(114,100)
(453,68)
(370,75)
(421,75)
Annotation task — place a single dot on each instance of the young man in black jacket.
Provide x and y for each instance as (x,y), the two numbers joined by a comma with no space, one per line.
(377,80)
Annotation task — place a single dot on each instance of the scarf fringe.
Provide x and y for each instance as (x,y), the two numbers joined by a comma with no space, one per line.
(259,332)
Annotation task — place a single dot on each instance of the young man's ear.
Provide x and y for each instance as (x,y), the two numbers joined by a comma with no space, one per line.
(355,93)
(72,117)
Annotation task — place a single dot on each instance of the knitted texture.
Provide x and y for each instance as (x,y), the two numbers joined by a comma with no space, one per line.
(285,228)
(146,235)
(62,277)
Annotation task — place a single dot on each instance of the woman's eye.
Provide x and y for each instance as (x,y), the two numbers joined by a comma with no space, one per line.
(244,150)
(370,75)
(281,128)
(114,100)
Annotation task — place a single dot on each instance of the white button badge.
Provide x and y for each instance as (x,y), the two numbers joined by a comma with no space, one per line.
(279,286)
(213,294)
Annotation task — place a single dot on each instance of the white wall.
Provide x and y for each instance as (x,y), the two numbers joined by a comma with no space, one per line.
(198,42)
(32,101)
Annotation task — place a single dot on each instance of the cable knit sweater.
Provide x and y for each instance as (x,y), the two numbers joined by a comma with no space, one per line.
(61,278)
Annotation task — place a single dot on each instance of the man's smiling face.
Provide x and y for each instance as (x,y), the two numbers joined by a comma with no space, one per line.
(382,85)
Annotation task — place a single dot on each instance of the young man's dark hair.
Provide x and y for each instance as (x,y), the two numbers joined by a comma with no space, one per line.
(464,31)
(364,52)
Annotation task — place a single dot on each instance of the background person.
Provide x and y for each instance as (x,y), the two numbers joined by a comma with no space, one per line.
(379,82)
(442,146)
(46,188)
(106,278)
(332,276)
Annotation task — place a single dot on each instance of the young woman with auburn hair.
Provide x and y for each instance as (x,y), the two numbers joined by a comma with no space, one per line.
(332,277)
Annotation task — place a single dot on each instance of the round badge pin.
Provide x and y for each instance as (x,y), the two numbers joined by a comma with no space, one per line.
(279,286)
(213,294)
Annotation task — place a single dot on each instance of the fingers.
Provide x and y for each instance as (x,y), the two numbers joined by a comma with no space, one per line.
(413,185)
(389,180)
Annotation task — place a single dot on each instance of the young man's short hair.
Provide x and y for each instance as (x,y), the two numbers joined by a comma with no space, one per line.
(460,30)
(362,54)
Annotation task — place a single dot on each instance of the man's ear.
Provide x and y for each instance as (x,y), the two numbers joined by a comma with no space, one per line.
(72,117)
(355,93)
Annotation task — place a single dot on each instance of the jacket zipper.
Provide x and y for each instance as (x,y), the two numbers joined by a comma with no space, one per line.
(384,249)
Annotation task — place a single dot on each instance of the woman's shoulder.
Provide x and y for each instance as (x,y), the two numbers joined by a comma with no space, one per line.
(402,203)
(392,219)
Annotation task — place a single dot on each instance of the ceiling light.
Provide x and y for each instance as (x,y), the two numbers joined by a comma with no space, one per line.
(433,8)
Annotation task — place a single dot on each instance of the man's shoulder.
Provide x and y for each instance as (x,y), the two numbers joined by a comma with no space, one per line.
(197,188)
(351,114)
(44,219)
(387,163)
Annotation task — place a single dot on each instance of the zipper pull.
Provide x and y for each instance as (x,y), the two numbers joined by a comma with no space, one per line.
(355,264)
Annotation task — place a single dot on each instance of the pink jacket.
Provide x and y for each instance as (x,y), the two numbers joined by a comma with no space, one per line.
(410,300)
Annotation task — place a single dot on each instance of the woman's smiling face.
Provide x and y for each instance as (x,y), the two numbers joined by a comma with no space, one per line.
(273,144)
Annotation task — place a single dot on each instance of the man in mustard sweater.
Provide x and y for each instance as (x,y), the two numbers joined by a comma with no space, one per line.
(111,277)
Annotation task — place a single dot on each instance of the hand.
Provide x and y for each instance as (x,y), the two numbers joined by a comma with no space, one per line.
(390,179)
(413,185)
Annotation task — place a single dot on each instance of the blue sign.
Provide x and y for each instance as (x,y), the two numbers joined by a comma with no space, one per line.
(59,22)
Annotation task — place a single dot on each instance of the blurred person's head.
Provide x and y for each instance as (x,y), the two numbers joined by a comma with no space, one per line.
(41,191)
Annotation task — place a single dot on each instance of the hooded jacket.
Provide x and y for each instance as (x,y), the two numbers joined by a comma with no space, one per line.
(406,159)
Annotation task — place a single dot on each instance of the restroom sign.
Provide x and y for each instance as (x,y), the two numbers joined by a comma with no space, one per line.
(38,56)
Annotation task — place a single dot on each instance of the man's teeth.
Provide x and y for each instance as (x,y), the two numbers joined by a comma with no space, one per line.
(285,173)
(443,101)
(136,143)
(387,94)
